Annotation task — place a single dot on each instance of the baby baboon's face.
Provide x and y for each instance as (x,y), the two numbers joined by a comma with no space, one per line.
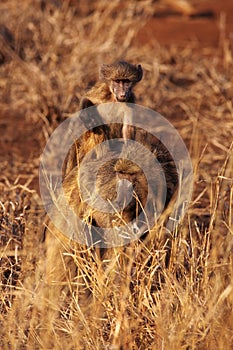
(121,77)
(122,89)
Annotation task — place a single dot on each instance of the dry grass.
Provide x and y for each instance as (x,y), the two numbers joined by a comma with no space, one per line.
(136,301)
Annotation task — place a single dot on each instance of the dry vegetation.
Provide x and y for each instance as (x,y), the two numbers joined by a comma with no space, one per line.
(49,54)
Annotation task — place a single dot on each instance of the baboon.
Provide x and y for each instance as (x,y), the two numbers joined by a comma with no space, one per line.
(121,172)
(66,268)
(116,84)
(111,174)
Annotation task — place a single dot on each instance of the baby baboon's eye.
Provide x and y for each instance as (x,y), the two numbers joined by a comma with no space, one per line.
(117,81)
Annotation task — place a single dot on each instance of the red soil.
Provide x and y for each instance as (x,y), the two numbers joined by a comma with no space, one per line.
(202,25)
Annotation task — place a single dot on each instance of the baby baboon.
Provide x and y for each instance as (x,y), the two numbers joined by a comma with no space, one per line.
(116,84)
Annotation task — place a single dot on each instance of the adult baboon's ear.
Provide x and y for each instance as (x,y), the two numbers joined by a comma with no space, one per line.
(140,72)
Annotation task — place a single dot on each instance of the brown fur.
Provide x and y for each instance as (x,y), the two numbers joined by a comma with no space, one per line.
(121,70)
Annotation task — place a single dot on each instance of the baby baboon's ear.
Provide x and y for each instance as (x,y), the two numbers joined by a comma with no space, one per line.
(140,72)
(104,72)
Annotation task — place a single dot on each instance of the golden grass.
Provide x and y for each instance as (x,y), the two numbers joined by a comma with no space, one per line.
(134,299)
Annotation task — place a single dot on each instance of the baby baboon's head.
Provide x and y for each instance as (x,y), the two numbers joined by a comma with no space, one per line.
(121,78)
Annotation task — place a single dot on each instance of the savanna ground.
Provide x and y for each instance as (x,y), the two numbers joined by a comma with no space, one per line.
(49,56)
